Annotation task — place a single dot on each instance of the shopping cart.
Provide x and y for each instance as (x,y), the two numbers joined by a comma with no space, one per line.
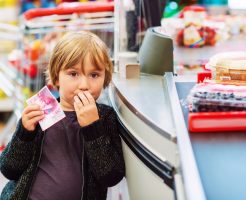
(42,27)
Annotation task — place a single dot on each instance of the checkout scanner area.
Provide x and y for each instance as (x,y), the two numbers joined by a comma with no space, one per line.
(163,159)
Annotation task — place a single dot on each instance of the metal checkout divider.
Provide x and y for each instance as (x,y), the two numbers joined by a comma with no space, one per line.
(163,159)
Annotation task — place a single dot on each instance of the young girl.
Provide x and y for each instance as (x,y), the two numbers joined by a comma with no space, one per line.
(79,156)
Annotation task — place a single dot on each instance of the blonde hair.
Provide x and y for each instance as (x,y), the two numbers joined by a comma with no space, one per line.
(72,48)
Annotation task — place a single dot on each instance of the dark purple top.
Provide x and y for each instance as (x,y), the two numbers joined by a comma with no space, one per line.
(59,174)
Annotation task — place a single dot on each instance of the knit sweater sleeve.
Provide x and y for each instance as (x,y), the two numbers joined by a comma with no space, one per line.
(16,156)
(103,148)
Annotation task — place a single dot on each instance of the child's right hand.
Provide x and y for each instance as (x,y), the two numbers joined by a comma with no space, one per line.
(31,115)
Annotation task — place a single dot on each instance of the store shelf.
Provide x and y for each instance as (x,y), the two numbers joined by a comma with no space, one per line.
(7,104)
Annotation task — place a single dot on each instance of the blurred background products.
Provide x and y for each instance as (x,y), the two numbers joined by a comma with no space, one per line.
(140,16)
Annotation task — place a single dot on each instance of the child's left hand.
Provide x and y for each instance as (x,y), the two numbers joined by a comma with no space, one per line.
(85,108)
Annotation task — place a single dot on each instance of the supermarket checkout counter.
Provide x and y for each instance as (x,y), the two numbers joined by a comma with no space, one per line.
(220,158)
(148,136)
(164,160)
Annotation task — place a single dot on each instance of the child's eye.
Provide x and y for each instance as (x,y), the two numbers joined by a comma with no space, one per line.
(94,75)
(73,74)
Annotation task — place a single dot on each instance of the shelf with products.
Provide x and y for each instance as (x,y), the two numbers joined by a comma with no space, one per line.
(6,92)
(11,84)
(11,99)
(8,101)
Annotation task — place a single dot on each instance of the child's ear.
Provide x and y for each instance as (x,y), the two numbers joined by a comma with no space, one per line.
(57,84)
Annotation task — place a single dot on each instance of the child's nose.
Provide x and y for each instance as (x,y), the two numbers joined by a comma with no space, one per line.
(83,84)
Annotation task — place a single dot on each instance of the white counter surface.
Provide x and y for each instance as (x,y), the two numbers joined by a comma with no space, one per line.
(145,96)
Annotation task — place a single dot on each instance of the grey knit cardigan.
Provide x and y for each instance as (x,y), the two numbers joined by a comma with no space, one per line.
(102,157)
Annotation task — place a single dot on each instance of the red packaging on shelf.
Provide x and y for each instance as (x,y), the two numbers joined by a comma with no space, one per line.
(217,121)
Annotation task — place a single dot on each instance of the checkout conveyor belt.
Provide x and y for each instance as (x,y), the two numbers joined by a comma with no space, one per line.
(220,157)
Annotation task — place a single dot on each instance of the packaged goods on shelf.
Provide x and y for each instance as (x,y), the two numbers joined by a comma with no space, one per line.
(217,107)
(9,36)
(212,97)
(228,66)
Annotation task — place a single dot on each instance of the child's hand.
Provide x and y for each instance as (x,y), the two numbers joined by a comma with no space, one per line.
(31,115)
(85,108)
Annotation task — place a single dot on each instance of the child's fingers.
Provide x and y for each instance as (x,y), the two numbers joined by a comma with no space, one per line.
(32,114)
(30,108)
(30,124)
(83,99)
(36,119)
(78,102)
(89,97)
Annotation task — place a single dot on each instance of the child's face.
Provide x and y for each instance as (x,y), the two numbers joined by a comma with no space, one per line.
(74,80)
